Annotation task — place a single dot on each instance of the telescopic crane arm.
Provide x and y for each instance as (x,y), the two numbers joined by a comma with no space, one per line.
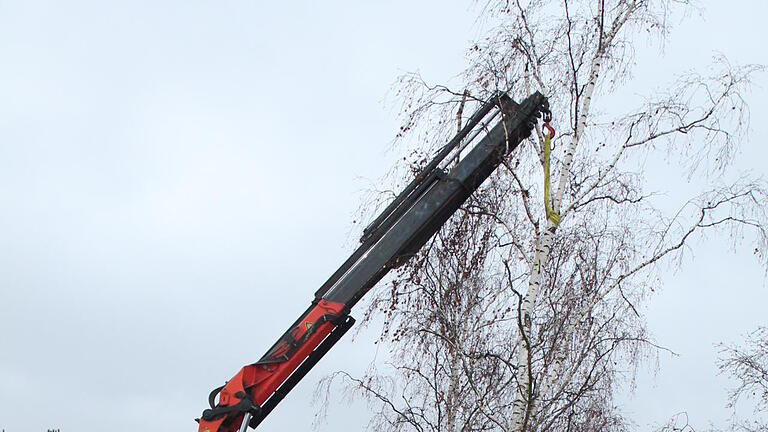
(393,237)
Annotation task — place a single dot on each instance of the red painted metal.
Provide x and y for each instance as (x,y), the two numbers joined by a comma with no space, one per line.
(260,380)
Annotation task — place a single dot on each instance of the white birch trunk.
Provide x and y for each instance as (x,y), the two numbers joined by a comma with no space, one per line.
(520,406)
(453,388)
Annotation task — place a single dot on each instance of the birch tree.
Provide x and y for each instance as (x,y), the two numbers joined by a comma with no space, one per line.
(521,314)
(747,365)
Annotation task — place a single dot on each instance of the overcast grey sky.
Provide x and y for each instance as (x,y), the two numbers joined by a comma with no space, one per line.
(177,178)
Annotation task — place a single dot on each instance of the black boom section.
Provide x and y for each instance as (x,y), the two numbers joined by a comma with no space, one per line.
(376,229)
(425,205)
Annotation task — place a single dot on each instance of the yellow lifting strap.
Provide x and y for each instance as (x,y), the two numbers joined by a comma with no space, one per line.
(551,213)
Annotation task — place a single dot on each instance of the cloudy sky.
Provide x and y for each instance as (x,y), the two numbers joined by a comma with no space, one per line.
(177,178)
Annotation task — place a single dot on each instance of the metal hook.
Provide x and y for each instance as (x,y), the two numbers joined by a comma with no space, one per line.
(549,128)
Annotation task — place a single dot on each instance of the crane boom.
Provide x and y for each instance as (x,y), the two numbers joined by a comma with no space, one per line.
(401,229)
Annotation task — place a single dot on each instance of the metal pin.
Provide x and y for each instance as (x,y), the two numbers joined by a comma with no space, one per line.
(246,420)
